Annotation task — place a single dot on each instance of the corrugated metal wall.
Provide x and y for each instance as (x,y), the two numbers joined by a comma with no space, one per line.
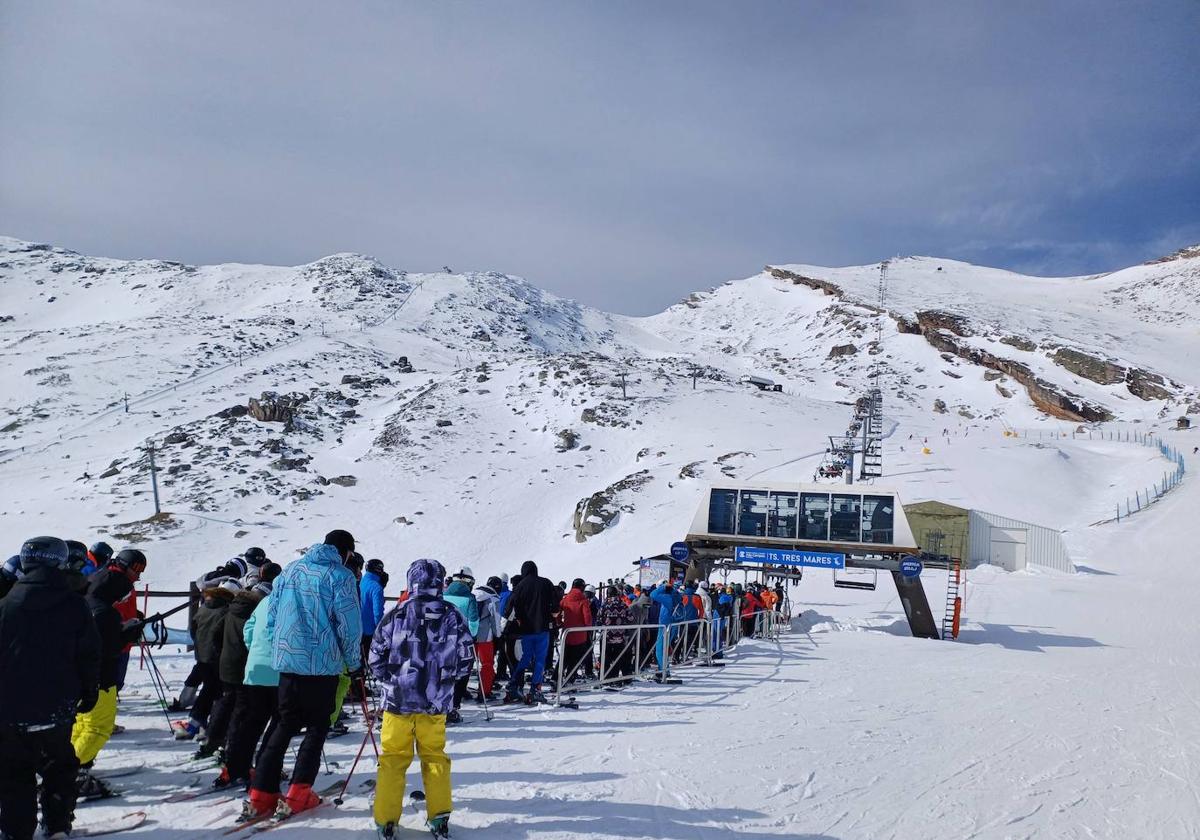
(1043,547)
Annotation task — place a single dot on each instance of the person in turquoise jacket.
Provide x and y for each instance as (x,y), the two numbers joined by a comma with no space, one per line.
(255,709)
(460,595)
(315,625)
(668,601)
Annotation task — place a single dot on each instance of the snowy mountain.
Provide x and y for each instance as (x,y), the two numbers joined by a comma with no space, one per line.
(477,419)
(465,414)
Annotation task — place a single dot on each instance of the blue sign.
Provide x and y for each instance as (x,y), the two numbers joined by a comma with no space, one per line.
(911,567)
(680,551)
(784,557)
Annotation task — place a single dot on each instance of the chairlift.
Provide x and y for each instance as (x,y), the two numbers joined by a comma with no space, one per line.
(856,579)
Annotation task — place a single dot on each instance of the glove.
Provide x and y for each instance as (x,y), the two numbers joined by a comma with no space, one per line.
(87,701)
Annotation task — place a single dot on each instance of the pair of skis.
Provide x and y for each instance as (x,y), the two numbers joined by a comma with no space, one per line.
(270,820)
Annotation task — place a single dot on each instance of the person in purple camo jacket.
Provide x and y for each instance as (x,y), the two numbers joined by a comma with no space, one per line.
(418,651)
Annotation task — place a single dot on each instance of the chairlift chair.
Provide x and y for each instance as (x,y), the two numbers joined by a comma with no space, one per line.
(855,578)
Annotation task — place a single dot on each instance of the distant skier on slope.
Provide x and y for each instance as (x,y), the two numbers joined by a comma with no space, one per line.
(47,630)
(419,651)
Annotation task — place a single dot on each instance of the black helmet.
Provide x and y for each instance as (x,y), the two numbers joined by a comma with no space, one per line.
(101,553)
(354,561)
(236,568)
(255,556)
(43,551)
(130,559)
(375,566)
(77,555)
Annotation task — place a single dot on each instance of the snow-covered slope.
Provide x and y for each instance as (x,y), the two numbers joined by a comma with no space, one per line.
(467,417)
(510,415)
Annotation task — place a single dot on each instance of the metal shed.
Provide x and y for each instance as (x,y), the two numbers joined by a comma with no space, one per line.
(977,537)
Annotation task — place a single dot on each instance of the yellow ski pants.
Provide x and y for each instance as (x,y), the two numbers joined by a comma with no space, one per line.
(93,729)
(401,733)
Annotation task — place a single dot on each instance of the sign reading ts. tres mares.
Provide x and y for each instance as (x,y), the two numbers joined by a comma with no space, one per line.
(783,557)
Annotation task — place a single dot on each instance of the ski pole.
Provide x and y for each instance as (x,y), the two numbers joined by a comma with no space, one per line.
(367,716)
(157,678)
(361,748)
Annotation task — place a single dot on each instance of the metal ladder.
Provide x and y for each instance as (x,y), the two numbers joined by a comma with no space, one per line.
(950,619)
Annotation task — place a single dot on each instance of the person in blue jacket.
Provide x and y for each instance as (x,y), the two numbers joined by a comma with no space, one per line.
(688,613)
(460,595)
(315,625)
(668,601)
(370,592)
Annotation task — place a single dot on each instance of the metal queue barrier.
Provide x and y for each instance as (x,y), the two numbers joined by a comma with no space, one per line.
(648,651)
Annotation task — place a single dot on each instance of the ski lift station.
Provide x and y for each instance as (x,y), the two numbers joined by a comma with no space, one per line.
(778,529)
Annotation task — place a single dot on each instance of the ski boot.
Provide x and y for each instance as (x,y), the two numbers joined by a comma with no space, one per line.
(385,832)
(299,798)
(534,697)
(439,826)
(208,750)
(338,729)
(259,805)
(186,730)
(511,697)
(88,787)
(453,717)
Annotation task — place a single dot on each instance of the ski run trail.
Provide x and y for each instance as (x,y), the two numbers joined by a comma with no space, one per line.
(1067,708)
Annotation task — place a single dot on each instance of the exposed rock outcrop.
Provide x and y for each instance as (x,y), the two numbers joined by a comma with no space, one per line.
(602,510)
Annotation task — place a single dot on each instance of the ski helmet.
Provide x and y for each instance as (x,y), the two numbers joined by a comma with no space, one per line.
(101,553)
(354,562)
(236,568)
(77,555)
(255,556)
(43,551)
(375,566)
(11,568)
(130,560)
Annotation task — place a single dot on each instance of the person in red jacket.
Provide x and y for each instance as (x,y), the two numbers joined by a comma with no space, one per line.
(751,604)
(576,612)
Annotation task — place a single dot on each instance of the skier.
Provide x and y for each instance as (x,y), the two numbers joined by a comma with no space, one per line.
(487,599)
(370,590)
(668,601)
(232,669)
(419,650)
(576,612)
(99,556)
(315,623)
(506,643)
(108,588)
(618,647)
(47,630)
(77,561)
(255,711)
(459,594)
(530,610)
(208,633)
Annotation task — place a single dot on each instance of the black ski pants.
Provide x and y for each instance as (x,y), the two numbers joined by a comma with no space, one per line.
(222,713)
(506,656)
(573,665)
(255,712)
(305,703)
(209,692)
(23,757)
(618,660)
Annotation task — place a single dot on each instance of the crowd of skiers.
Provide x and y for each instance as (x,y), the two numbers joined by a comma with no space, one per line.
(278,651)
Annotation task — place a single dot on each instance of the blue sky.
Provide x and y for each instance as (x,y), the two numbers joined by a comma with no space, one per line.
(622,153)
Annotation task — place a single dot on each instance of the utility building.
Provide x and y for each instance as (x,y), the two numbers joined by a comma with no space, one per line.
(979,537)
